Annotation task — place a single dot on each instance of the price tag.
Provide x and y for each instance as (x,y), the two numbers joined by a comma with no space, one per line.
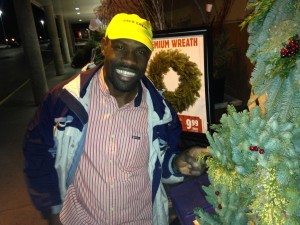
(191,123)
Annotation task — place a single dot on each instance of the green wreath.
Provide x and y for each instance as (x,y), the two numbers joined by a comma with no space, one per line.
(186,93)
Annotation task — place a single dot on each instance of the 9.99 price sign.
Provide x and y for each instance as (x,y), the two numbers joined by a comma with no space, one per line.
(191,123)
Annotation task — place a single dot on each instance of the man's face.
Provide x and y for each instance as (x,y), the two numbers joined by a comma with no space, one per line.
(124,64)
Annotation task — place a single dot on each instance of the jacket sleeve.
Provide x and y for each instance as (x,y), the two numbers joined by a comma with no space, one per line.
(173,134)
(167,134)
(39,153)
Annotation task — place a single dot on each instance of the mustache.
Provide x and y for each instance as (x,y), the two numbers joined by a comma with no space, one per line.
(127,66)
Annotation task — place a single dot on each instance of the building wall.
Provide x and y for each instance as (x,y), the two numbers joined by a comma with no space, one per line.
(237,82)
(185,14)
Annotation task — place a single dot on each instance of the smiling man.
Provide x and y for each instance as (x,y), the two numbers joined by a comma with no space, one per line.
(102,143)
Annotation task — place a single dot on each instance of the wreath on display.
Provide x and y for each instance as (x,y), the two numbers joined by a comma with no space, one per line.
(187,92)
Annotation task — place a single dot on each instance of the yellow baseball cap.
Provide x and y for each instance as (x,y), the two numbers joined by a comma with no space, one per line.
(130,26)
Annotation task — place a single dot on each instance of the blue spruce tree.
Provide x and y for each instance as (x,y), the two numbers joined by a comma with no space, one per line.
(254,170)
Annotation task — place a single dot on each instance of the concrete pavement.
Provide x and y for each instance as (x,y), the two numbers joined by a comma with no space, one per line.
(15,113)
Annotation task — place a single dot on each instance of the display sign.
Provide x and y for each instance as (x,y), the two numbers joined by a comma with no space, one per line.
(196,117)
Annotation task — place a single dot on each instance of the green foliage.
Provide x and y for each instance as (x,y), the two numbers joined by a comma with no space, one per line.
(84,55)
(261,9)
(228,195)
(258,186)
(266,40)
(187,92)
(97,35)
(280,66)
(223,51)
(256,157)
(269,204)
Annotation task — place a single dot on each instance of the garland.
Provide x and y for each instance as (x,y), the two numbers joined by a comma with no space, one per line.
(261,7)
(286,61)
(187,91)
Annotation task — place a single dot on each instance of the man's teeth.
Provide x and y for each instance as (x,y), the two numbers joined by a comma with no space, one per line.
(125,73)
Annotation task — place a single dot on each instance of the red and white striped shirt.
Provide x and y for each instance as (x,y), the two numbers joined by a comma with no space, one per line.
(111,185)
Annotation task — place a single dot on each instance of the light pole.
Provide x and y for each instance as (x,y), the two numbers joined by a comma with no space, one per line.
(3,27)
(42,22)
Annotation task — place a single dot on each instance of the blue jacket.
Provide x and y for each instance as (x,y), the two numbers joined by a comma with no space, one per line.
(55,138)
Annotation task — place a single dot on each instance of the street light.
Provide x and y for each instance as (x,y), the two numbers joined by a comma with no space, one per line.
(42,22)
(3,27)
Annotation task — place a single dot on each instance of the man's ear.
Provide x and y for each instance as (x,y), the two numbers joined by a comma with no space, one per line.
(103,45)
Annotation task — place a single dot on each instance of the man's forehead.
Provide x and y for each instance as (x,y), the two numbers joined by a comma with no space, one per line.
(127,41)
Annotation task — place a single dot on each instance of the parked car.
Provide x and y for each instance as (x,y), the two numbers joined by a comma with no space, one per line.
(5,46)
(13,43)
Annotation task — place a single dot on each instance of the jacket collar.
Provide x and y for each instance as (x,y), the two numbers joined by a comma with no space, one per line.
(157,99)
(86,77)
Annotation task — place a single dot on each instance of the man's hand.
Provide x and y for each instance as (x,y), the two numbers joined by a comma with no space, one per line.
(54,220)
(186,162)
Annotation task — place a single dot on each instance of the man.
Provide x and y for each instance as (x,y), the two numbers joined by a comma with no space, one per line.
(102,143)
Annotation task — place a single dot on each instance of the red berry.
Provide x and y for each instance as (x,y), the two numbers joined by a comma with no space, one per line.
(217,192)
(220,206)
(261,151)
(251,148)
(255,148)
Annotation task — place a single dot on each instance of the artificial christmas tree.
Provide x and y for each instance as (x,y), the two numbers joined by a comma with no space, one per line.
(254,170)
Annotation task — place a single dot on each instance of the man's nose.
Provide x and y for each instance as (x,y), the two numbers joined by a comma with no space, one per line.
(129,58)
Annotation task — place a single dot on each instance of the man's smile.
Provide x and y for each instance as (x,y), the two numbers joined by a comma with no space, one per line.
(125,74)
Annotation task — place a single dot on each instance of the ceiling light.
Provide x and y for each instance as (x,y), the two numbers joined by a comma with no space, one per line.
(76,8)
(209,7)
(78,13)
(80,20)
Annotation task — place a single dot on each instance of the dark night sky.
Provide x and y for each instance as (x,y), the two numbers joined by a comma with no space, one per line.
(10,22)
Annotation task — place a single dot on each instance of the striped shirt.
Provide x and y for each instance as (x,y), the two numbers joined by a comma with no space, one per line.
(111,185)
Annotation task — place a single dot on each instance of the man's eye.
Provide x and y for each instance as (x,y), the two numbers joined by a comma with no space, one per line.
(143,52)
(119,47)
